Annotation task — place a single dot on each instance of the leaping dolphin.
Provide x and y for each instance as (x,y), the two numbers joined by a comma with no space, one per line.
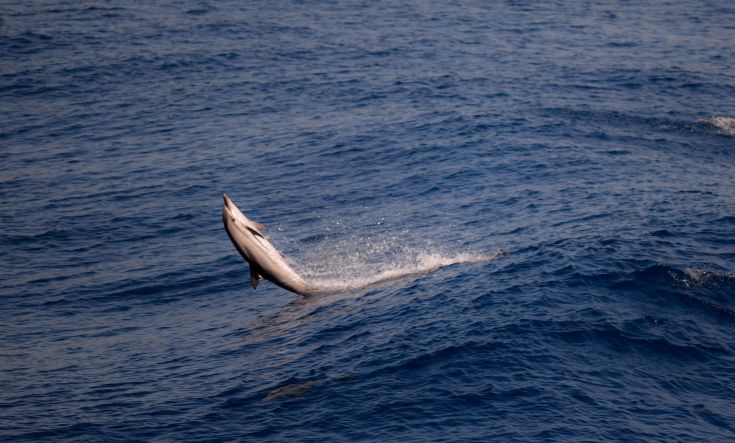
(265,261)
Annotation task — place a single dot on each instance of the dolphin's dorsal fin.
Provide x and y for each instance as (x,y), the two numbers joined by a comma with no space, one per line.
(255,276)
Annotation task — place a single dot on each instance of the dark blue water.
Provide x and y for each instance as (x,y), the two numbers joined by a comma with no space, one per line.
(588,147)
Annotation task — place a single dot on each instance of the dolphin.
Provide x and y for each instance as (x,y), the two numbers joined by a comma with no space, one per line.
(264,260)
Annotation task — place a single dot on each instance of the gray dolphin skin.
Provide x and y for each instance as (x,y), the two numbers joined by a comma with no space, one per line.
(264,260)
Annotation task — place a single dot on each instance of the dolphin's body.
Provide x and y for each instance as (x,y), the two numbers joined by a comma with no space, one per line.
(265,261)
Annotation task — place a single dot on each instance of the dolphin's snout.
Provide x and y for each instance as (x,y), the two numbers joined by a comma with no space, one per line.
(228,202)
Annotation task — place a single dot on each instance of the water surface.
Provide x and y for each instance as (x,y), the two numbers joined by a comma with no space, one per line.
(589,146)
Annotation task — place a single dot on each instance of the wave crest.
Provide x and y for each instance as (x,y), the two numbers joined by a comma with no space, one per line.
(709,289)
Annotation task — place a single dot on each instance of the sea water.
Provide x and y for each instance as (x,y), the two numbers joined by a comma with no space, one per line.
(545,190)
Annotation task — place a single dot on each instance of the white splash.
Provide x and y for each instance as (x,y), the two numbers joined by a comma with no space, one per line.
(357,254)
(724,125)
(413,263)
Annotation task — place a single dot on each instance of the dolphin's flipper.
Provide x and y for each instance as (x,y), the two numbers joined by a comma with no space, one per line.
(256,228)
(255,232)
(255,276)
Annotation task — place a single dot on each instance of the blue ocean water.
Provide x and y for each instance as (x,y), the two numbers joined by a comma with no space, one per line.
(589,147)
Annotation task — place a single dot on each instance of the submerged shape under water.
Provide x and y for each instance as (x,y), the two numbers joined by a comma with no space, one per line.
(590,145)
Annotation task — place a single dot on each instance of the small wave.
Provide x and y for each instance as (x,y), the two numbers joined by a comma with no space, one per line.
(680,277)
(419,263)
(705,288)
(724,125)
(698,278)
(687,277)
